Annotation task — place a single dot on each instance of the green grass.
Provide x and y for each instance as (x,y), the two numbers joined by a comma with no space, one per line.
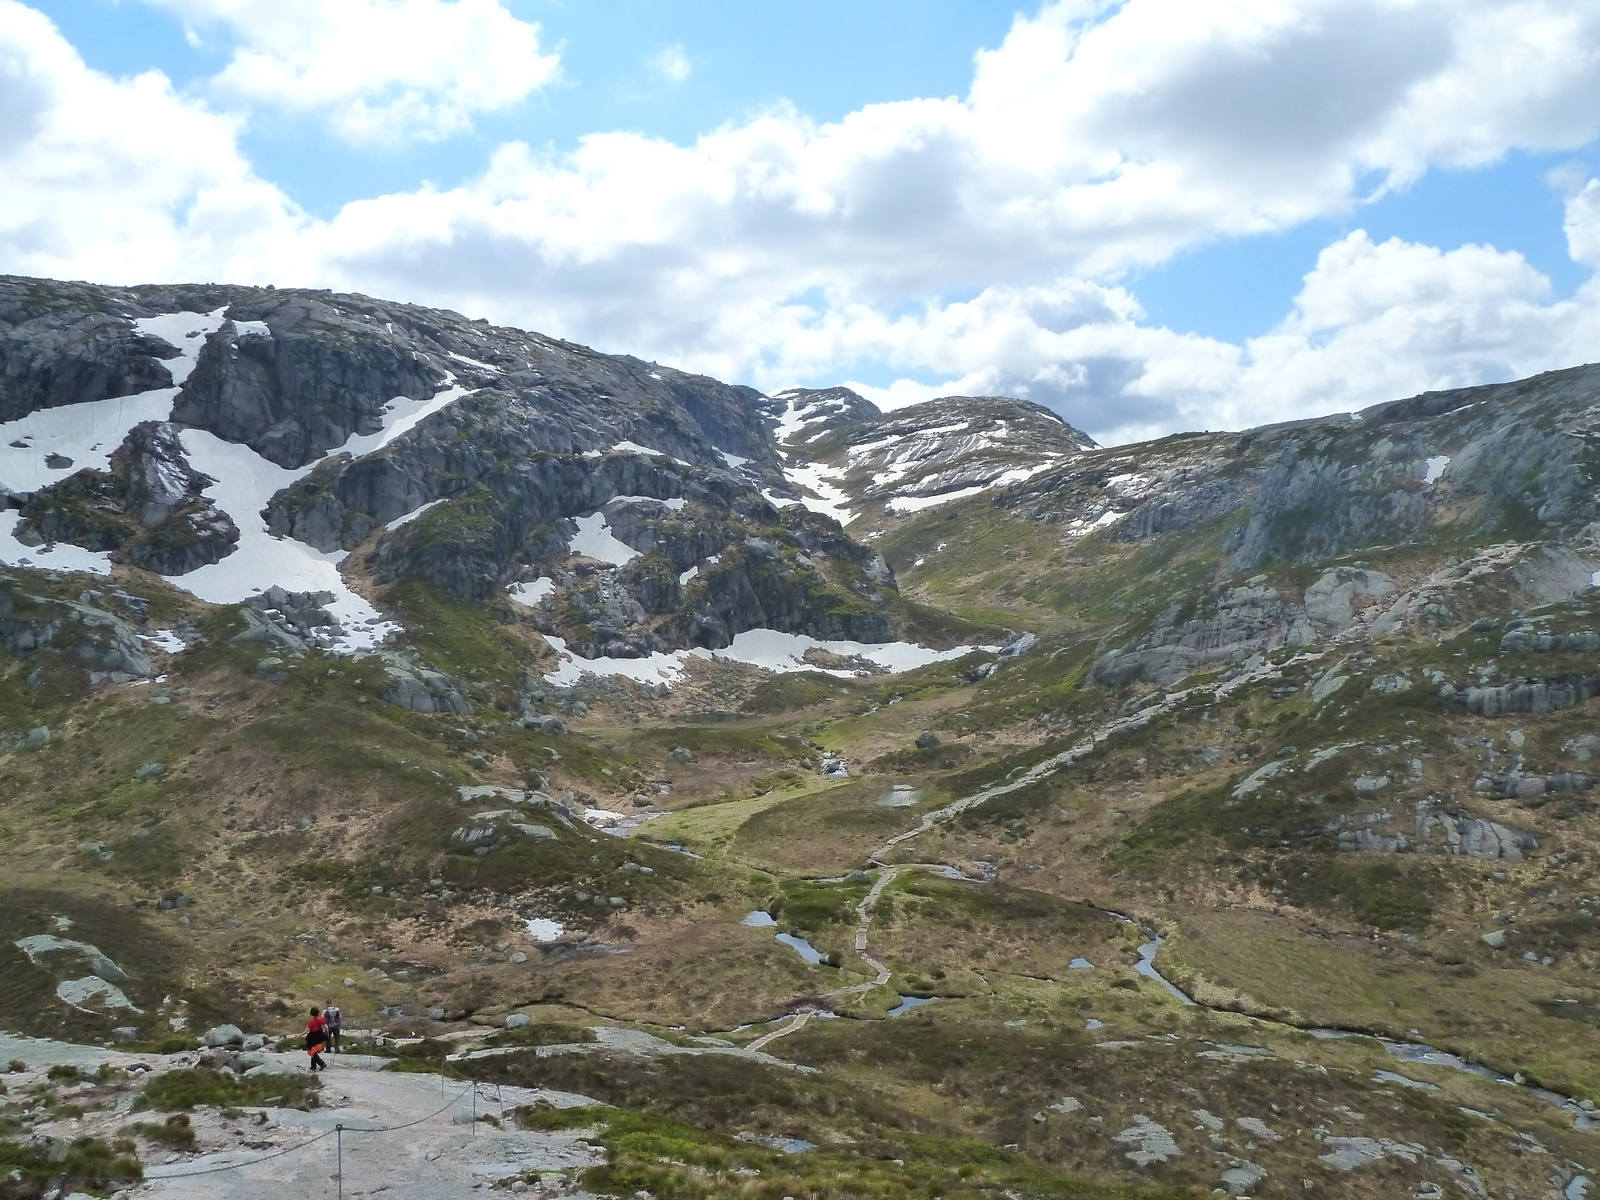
(175,1133)
(187,1088)
(93,1164)
(648,1153)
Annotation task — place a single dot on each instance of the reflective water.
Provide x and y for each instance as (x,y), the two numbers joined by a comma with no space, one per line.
(801,947)
(1146,966)
(907,1003)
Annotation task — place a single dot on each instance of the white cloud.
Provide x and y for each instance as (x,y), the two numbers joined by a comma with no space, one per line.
(977,242)
(1092,141)
(376,70)
(672,63)
(1583,223)
(121,180)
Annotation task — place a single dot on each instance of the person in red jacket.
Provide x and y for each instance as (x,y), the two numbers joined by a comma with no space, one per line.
(316,1039)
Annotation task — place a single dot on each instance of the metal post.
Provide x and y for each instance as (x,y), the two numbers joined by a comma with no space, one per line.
(339,1133)
(474,1108)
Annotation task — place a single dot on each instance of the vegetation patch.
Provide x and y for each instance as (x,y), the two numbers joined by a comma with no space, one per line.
(31,1169)
(185,1089)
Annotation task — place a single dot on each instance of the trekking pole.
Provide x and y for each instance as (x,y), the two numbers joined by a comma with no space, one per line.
(339,1131)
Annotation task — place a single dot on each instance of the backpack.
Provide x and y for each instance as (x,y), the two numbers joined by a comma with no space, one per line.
(316,1033)
(331,1017)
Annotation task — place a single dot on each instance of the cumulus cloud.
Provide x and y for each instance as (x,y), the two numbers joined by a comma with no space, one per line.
(672,63)
(971,244)
(375,70)
(1093,140)
(120,179)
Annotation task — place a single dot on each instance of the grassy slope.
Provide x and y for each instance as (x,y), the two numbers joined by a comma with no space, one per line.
(286,804)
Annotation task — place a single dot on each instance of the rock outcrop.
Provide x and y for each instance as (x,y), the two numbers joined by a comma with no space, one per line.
(147,510)
(1507,460)
(107,646)
(1234,625)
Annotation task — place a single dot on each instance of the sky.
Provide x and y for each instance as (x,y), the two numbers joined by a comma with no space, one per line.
(1149,215)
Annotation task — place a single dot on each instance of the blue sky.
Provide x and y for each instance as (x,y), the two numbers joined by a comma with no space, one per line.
(1151,215)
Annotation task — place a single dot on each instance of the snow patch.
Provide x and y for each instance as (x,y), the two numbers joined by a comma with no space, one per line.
(245,482)
(401,416)
(88,433)
(733,461)
(691,573)
(532,592)
(784,652)
(655,668)
(828,498)
(54,556)
(1436,466)
(911,504)
(594,539)
(411,516)
(768,648)
(635,448)
(165,639)
(544,931)
(185,330)
(252,329)
(473,362)
(675,504)
(1080,527)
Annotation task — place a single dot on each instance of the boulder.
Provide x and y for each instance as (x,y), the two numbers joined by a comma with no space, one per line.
(223,1035)
(107,646)
(276,1064)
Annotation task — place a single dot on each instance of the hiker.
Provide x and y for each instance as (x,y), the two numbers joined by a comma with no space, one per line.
(332,1016)
(316,1039)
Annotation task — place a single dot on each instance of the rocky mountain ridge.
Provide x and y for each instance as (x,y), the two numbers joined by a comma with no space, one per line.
(432,448)
(529,710)
(851,460)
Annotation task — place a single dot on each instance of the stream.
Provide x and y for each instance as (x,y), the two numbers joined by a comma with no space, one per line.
(1406,1052)
(1414,1052)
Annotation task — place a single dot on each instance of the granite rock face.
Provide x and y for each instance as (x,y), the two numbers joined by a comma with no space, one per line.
(103,643)
(58,345)
(918,456)
(1505,460)
(147,510)
(1231,627)
(451,452)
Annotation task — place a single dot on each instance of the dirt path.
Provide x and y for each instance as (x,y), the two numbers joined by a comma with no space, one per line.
(406,1137)
(1043,770)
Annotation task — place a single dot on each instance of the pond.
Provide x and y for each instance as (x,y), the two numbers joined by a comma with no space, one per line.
(765,920)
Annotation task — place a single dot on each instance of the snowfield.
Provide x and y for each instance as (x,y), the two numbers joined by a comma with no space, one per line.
(767,648)
(88,433)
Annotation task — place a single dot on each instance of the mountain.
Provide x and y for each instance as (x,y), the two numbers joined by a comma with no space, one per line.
(1216,813)
(866,468)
